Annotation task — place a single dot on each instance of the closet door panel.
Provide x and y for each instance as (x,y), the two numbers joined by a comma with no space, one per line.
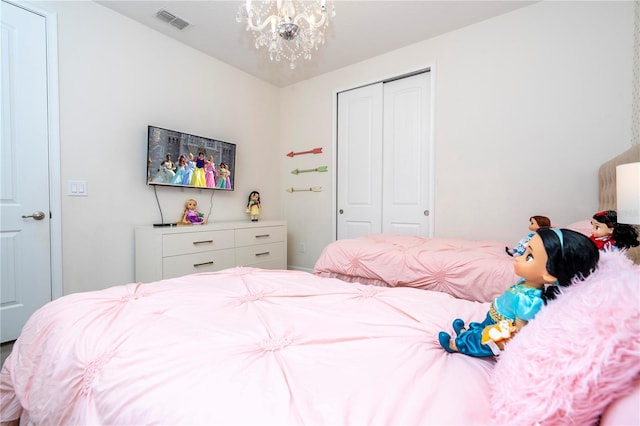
(359,174)
(406,156)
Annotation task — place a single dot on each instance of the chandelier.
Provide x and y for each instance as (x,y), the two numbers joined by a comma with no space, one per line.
(290,29)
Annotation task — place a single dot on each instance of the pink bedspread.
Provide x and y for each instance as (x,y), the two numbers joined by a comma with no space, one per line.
(473,270)
(245,346)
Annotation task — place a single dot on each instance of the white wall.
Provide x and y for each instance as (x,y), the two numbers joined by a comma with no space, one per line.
(115,78)
(527,106)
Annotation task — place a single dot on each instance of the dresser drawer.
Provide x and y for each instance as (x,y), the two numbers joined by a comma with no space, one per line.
(196,242)
(169,252)
(262,235)
(260,253)
(176,266)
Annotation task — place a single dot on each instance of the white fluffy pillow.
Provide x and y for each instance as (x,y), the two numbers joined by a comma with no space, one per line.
(581,352)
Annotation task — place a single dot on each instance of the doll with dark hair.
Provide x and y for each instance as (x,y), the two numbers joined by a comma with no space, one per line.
(609,235)
(223,176)
(253,205)
(198,176)
(535,223)
(166,172)
(554,258)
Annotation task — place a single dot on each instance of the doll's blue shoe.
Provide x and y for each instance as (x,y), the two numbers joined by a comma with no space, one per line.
(444,340)
(458,325)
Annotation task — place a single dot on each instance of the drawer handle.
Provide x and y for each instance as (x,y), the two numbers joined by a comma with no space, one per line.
(262,236)
(195,265)
(203,242)
(264,253)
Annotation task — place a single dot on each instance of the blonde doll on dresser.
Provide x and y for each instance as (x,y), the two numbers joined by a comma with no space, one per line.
(191,216)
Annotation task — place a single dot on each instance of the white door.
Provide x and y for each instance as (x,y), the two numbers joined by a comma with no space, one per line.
(359,175)
(25,246)
(406,156)
(383,158)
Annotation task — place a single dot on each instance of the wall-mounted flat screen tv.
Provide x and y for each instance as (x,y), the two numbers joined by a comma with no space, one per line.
(182,160)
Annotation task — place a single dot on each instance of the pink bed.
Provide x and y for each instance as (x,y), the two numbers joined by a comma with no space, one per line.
(251,346)
(476,270)
(243,346)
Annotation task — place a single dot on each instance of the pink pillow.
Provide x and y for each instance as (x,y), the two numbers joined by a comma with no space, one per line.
(583,226)
(580,353)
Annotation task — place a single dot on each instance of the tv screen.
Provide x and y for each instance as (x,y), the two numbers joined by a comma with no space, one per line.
(183,160)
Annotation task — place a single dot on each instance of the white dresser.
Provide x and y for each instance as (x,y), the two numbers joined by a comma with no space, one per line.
(170,252)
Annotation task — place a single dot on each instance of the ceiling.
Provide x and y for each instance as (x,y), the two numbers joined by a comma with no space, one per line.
(360,30)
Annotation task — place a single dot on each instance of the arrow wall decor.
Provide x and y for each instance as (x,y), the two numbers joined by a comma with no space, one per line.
(317,169)
(313,151)
(312,189)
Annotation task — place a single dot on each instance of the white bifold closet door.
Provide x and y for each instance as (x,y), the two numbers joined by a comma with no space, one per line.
(384,157)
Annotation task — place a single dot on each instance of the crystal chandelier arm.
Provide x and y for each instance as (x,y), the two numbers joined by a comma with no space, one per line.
(252,13)
(255,27)
(311,19)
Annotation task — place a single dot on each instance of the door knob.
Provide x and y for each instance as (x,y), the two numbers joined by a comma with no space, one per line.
(341,211)
(35,215)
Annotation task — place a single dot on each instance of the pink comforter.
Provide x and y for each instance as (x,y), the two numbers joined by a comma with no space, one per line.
(245,346)
(474,270)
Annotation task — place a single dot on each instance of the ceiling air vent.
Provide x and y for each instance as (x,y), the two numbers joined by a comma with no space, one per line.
(172,19)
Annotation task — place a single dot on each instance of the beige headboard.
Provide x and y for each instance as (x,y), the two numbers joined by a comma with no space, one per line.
(607,186)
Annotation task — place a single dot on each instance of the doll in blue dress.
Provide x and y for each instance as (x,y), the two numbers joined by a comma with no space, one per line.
(180,171)
(191,165)
(535,223)
(553,258)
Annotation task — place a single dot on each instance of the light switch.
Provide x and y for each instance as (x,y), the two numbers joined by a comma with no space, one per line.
(77,188)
